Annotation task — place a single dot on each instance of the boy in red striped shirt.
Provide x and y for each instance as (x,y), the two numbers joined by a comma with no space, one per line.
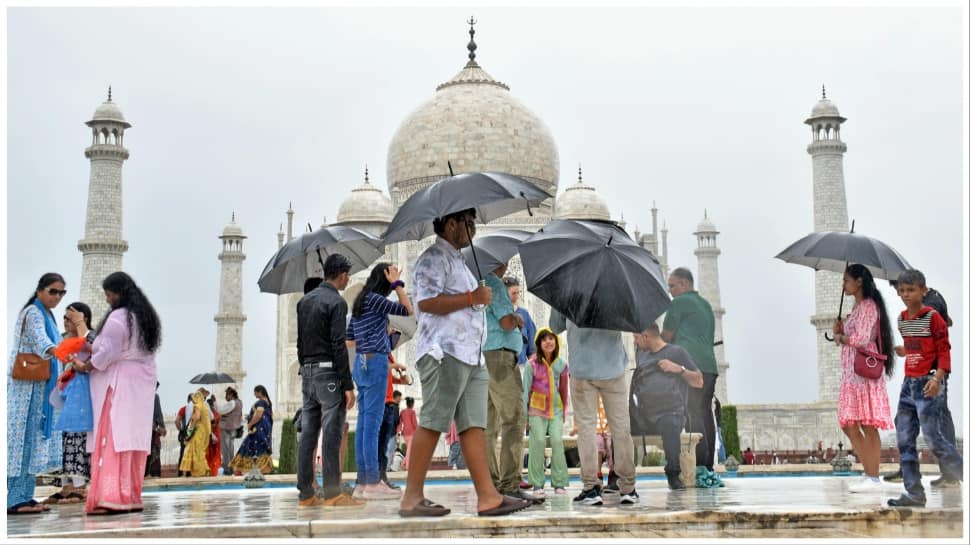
(927,346)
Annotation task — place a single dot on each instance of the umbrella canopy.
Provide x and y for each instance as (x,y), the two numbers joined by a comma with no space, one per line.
(404,326)
(595,275)
(212,378)
(492,195)
(304,256)
(835,250)
(494,249)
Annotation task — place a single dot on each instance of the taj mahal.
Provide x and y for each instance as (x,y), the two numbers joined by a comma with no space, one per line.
(475,123)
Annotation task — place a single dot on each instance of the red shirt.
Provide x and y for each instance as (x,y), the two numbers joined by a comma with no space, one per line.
(926,341)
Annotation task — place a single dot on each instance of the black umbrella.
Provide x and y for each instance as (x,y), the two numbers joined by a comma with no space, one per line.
(595,275)
(303,257)
(212,378)
(495,249)
(492,195)
(836,250)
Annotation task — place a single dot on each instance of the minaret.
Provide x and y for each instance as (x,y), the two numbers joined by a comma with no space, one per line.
(102,247)
(828,182)
(230,318)
(709,286)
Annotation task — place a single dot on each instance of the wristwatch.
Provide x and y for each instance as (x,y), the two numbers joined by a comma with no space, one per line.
(682,370)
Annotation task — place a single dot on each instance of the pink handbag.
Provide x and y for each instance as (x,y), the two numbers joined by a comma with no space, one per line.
(870,364)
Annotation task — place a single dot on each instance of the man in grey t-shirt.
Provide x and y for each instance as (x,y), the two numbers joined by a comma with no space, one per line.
(658,395)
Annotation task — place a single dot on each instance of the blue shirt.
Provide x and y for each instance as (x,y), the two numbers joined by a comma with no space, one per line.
(594,354)
(498,338)
(369,330)
(528,335)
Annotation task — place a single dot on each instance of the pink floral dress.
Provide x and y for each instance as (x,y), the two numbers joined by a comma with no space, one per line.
(862,401)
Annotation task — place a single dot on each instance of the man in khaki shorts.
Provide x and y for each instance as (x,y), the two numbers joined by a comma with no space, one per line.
(454,382)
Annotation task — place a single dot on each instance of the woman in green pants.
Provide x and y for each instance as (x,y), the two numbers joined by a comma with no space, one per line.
(546,390)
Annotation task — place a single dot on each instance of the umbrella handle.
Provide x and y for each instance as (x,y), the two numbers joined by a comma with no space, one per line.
(841,299)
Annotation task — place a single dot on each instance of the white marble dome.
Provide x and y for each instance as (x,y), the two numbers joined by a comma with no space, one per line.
(580,201)
(706,225)
(824,108)
(473,121)
(232,229)
(109,111)
(366,204)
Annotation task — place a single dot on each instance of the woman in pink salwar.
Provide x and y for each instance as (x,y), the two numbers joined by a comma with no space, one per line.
(122,373)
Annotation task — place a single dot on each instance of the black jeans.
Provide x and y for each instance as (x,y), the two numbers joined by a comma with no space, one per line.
(701,419)
(668,427)
(323,409)
(387,431)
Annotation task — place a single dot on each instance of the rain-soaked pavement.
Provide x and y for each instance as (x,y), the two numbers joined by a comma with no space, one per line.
(748,506)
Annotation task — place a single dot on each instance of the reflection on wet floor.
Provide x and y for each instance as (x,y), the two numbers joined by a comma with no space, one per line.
(273,511)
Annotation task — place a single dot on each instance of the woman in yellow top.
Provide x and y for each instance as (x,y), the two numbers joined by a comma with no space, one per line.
(546,392)
(200,427)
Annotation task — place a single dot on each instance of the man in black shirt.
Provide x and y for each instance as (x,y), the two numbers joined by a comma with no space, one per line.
(658,395)
(328,389)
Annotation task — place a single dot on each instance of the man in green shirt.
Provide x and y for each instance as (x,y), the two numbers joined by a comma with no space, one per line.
(690,324)
(506,415)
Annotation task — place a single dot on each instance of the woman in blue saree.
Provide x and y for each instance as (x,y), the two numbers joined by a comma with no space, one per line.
(257,447)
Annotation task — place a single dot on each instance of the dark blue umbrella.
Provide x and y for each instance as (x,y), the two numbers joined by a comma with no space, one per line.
(212,378)
(595,275)
(494,249)
(492,194)
(303,257)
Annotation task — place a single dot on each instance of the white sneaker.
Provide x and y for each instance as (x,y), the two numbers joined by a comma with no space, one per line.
(381,491)
(866,486)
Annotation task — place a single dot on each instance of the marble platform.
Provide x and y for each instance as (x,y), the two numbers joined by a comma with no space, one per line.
(748,507)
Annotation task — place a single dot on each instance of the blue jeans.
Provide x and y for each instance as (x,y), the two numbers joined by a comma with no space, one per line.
(386,439)
(917,413)
(370,376)
(324,409)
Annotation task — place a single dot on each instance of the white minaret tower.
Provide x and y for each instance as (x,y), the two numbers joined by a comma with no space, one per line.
(709,286)
(230,318)
(828,183)
(102,247)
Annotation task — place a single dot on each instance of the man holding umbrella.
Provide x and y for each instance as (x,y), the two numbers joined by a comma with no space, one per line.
(506,415)
(451,331)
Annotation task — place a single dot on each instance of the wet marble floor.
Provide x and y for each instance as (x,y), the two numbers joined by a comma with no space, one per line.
(776,507)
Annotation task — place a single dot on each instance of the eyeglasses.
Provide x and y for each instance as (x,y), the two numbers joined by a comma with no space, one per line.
(56,292)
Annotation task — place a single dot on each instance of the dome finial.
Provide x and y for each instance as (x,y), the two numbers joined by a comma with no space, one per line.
(705,213)
(823,91)
(109,93)
(366,175)
(580,173)
(471,43)
(234,216)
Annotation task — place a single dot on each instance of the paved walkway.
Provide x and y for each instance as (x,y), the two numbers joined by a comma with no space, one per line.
(751,506)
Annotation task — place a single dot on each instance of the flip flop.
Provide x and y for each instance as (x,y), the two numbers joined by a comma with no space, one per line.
(32,509)
(509,505)
(56,497)
(425,508)
(103,511)
(73,497)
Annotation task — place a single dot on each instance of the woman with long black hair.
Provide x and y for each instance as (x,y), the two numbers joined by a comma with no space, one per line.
(32,446)
(368,331)
(123,376)
(864,402)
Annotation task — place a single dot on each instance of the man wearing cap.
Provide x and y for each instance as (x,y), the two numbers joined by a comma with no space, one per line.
(328,389)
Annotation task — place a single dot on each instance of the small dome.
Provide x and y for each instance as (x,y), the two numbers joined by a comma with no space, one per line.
(825,108)
(706,225)
(366,204)
(581,202)
(109,111)
(232,229)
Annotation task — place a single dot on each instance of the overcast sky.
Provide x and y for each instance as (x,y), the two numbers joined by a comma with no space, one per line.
(247,109)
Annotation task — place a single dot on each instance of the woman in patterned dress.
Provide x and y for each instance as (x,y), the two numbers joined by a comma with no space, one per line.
(863,402)
(257,447)
(32,446)
(200,425)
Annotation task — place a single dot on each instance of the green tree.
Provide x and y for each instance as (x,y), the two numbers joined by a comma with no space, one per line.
(288,447)
(729,422)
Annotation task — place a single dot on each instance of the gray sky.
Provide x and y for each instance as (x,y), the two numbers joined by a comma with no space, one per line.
(247,109)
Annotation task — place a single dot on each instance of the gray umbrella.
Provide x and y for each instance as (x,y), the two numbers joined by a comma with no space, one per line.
(212,378)
(495,249)
(303,257)
(836,250)
(492,195)
(595,275)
